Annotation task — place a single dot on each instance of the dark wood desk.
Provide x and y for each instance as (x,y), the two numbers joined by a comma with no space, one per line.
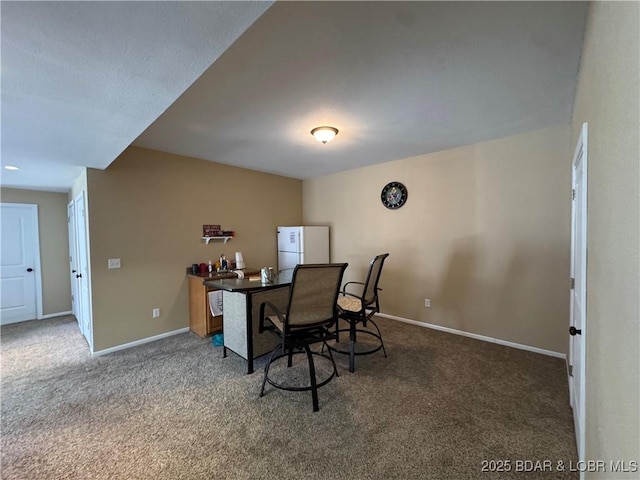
(241,303)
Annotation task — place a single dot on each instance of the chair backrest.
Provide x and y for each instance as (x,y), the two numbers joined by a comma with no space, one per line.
(313,294)
(370,293)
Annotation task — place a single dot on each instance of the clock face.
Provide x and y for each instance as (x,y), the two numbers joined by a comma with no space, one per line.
(394,195)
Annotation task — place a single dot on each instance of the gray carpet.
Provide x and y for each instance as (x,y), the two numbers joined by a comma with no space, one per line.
(436,408)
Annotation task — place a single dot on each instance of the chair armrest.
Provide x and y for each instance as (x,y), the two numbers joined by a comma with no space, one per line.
(271,306)
(344,288)
(347,294)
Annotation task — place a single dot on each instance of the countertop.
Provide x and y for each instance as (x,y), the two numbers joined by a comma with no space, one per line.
(221,275)
(246,285)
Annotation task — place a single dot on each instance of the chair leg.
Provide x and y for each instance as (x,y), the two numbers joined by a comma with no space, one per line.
(266,368)
(335,367)
(290,357)
(380,336)
(352,346)
(312,377)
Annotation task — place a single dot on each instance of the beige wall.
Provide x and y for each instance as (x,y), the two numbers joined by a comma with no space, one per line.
(148,209)
(608,99)
(484,234)
(54,245)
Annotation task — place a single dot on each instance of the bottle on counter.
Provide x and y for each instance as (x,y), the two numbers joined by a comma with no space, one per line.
(210,267)
(223,262)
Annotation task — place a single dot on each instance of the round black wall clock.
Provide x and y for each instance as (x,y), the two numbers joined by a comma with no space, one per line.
(394,195)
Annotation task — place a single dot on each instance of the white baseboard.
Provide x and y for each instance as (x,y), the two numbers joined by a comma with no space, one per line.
(43,317)
(4,321)
(124,346)
(476,336)
(59,314)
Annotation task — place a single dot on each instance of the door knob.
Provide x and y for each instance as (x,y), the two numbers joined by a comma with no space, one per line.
(29,269)
(73,271)
(574,331)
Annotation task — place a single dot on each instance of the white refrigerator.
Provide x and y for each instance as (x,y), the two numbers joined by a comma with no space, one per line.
(302,245)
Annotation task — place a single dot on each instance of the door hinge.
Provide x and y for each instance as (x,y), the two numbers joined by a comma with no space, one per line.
(573,283)
(573,194)
(571,370)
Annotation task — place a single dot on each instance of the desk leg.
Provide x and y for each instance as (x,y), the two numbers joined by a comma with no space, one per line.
(249,333)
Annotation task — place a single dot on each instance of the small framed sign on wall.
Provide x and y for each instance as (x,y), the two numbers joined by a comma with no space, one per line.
(210,230)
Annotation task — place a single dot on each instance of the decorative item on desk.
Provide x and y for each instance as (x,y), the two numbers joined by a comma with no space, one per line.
(210,230)
(267,275)
(239,260)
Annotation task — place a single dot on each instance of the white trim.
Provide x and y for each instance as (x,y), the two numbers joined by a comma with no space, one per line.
(580,419)
(39,307)
(59,314)
(484,338)
(42,317)
(124,346)
(17,320)
(83,200)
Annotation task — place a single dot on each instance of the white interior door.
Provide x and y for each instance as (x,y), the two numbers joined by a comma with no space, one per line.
(73,261)
(82,254)
(19,263)
(577,327)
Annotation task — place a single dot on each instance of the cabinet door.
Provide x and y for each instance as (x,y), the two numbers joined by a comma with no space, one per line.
(201,321)
(198,307)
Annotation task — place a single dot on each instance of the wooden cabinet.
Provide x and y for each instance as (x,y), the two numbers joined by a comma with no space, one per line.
(201,322)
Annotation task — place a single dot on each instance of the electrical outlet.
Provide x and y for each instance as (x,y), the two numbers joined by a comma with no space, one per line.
(156,312)
(114,263)
(427,302)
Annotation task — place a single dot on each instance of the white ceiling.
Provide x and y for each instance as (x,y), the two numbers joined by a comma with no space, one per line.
(81,81)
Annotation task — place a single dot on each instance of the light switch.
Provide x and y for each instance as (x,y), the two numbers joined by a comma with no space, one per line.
(114,263)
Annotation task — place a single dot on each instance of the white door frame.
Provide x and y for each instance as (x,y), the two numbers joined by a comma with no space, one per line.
(579,288)
(84,267)
(32,210)
(73,260)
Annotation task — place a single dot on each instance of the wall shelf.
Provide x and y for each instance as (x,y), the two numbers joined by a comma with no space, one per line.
(208,239)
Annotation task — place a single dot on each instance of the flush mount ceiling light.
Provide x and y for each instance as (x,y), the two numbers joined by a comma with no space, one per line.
(11,167)
(324,134)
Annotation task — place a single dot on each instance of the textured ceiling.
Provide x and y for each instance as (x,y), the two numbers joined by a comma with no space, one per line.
(81,80)
(397,79)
